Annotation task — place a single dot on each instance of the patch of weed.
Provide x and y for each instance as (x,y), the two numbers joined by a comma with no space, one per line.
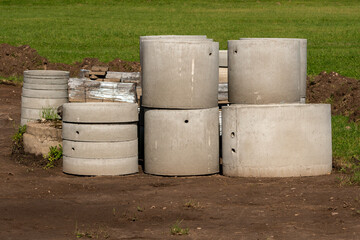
(346,149)
(191,204)
(49,114)
(54,155)
(176,229)
(17,139)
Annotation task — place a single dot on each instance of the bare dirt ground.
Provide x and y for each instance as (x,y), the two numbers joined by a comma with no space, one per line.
(48,204)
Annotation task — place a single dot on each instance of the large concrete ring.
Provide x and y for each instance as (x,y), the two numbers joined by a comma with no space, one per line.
(303,62)
(180,75)
(98,167)
(45,86)
(264,71)
(53,94)
(276,140)
(182,142)
(100,112)
(99,132)
(42,102)
(47,73)
(100,149)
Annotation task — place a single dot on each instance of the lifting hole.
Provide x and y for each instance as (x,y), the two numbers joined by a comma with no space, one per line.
(232,134)
(186,121)
(77,132)
(73,148)
(210,54)
(235,51)
(233,150)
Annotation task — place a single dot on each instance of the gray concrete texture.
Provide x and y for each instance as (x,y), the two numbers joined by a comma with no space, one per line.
(182,142)
(180,74)
(39,103)
(99,132)
(223,58)
(101,150)
(47,94)
(106,112)
(276,140)
(31,113)
(167,37)
(48,77)
(42,89)
(45,86)
(264,71)
(46,73)
(98,167)
(303,61)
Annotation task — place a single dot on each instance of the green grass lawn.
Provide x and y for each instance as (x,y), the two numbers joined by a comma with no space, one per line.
(346,147)
(68,31)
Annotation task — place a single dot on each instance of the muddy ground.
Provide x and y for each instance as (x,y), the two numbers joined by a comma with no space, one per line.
(48,204)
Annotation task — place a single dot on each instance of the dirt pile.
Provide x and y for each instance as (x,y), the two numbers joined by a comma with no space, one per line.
(15,60)
(341,92)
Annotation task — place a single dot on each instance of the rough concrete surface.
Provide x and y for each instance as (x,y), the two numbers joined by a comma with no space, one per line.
(276,140)
(100,112)
(264,71)
(99,132)
(86,166)
(100,149)
(182,75)
(39,137)
(182,142)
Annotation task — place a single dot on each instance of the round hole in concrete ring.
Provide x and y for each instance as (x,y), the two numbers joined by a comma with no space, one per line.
(77,132)
(73,148)
(233,150)
(232,134)
(210,54)
(186,121)
(235,51)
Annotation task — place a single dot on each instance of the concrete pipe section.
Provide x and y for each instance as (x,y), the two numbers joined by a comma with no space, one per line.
(99,132)
(303,62)
(180,75)
(276,140)
(182,142)
(106,112)
(42,89)
(100,138)
(264,71)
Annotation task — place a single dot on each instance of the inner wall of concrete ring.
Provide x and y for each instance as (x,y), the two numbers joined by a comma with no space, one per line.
(182,75)
(276,140)
(303,62)
(182,142)
(264,71)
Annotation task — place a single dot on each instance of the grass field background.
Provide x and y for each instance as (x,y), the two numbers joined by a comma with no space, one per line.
(68,31)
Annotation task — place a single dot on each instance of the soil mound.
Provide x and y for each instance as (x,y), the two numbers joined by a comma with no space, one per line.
(15,60)
(341,92)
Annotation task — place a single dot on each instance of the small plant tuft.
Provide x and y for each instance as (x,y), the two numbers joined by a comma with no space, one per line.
(175,229)
(49,114)
(54,155)
(17,139)
(191,204)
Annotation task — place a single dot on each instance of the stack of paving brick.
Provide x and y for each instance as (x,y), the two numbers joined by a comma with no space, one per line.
(97,73)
